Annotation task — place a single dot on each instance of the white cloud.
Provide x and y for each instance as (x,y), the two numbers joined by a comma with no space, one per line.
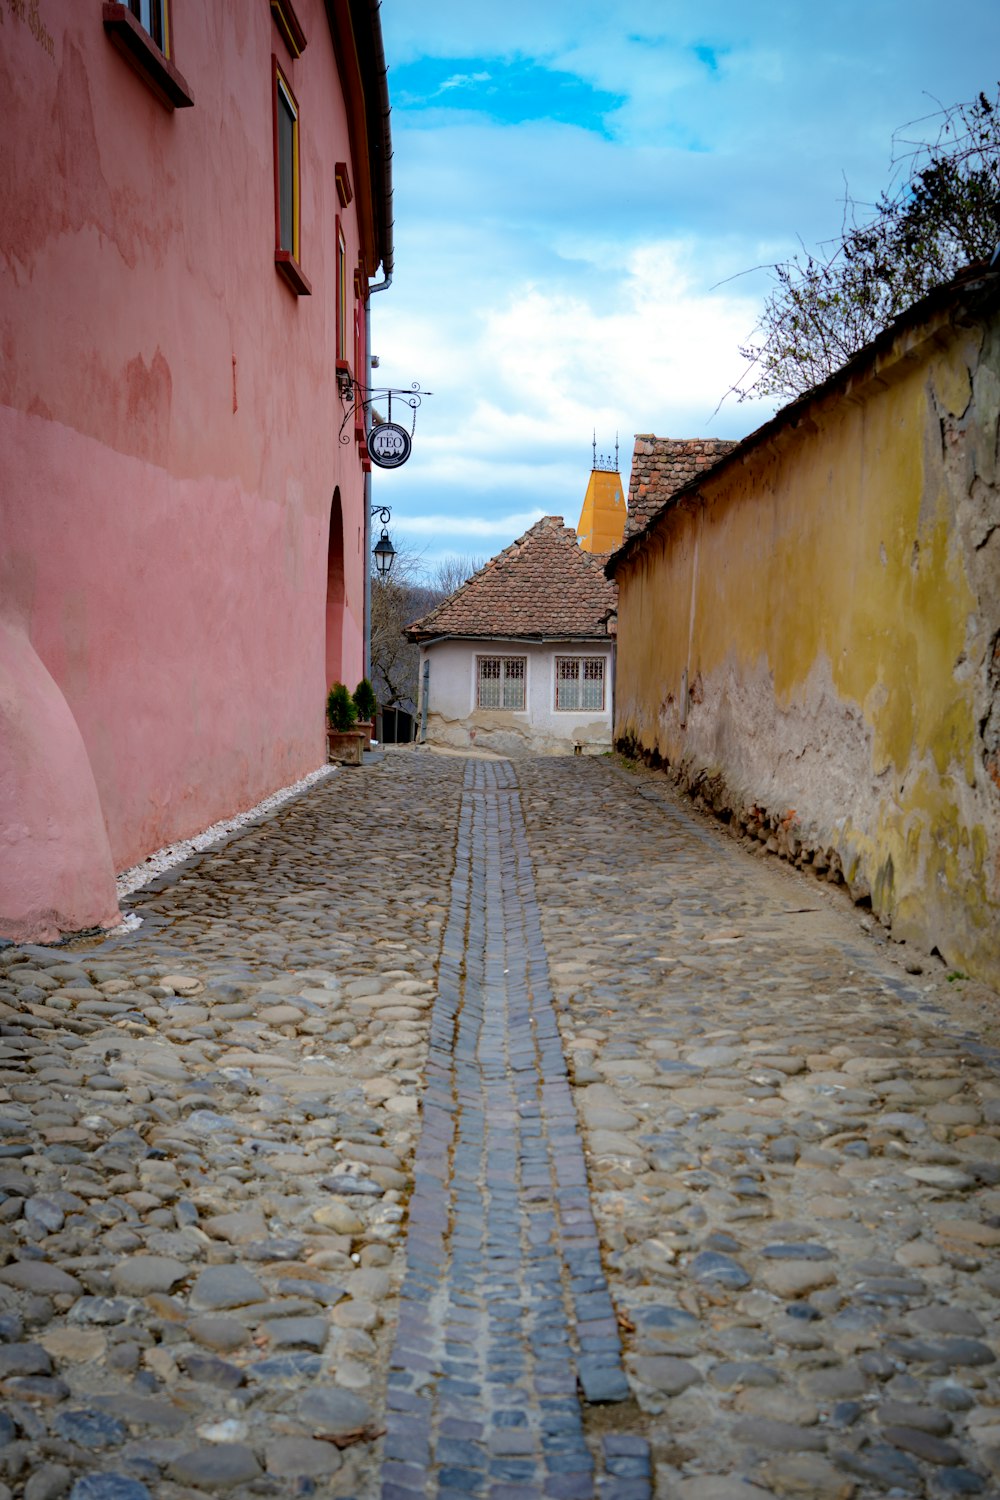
(461,81)
(648,347)
(520,388)
(476,527)
(667,343)
(549,279)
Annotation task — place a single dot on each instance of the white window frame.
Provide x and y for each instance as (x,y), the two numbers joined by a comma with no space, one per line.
(577,679)
(510,670)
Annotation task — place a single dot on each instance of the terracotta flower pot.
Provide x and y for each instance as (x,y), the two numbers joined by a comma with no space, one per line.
(344,746)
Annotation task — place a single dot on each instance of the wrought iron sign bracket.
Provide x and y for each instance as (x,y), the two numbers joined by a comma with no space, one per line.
(361,397)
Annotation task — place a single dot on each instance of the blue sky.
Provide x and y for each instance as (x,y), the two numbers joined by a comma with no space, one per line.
(578,187)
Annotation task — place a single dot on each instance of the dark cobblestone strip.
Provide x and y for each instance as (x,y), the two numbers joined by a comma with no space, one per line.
(504,1313)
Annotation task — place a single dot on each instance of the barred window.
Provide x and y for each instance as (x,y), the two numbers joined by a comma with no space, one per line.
(580,683)
(501,682)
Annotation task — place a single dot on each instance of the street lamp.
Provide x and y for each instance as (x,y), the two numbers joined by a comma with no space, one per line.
(385,556)
(383,551)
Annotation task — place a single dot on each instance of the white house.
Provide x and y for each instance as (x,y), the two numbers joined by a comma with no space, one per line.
(521,657)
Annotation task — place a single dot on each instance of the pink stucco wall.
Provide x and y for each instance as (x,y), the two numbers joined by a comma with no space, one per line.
(163,554)
(56,873)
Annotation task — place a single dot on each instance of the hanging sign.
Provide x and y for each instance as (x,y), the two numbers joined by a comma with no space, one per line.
(389,445)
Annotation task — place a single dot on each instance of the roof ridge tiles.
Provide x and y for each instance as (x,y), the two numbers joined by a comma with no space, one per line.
(541,585)
(661,466)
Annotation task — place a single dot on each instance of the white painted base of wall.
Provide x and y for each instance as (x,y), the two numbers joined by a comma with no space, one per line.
(513,738)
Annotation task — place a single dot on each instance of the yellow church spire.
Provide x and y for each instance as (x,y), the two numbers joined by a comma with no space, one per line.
(602,519)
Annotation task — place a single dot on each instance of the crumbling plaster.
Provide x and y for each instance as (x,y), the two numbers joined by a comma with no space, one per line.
(812,642)
(514,734)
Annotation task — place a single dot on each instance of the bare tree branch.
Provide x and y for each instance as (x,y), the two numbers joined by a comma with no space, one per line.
(940,212)
(396,602)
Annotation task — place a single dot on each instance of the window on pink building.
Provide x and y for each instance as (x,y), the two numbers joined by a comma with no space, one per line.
(141,31)
(152,17)
(287,249)
(288,160)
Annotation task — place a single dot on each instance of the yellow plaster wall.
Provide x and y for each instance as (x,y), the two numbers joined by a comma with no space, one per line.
(818,628)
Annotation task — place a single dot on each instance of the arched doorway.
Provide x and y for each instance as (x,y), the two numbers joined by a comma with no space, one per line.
(335,593)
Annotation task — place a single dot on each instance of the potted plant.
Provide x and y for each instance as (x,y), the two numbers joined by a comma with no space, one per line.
(366,704)
(343,742)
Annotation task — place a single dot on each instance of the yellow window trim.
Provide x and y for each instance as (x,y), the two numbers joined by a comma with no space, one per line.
(287,22)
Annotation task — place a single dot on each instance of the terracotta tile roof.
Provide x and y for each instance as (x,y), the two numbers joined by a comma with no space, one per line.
(660,466)
(542,585)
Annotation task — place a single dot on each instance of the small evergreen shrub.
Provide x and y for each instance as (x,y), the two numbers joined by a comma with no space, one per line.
(341,712)
(364,700)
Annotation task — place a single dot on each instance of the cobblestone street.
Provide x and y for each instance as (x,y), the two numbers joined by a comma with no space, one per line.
(495,1129)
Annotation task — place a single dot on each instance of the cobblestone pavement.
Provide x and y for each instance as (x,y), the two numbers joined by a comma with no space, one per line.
(293,1197)
(204,1135)
(794,1157)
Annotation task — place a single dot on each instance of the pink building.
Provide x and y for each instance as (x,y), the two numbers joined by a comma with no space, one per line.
(194,199)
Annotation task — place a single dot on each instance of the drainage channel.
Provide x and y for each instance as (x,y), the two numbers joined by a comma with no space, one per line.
(506,1327)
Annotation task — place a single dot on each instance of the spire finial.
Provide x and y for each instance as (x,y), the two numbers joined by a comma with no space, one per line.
(602,461)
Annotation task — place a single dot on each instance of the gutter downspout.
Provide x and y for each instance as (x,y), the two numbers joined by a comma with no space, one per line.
(378,286)
(382,76)
(425,688)
(614,680)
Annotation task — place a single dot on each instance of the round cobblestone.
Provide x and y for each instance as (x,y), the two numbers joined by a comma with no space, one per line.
(575,1078)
